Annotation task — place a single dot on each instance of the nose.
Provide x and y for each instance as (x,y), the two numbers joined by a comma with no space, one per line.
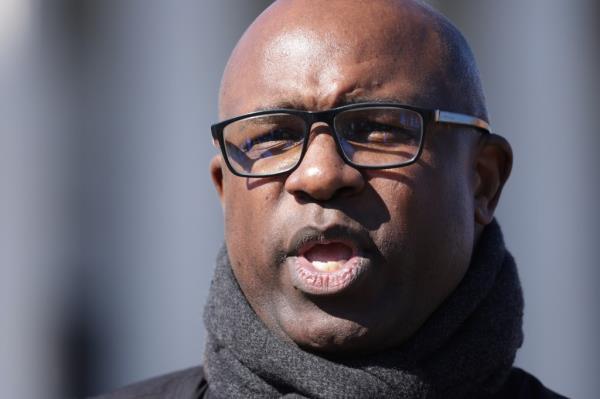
(323,174)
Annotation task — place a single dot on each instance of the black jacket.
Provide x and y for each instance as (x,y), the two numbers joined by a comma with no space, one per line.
(191,384)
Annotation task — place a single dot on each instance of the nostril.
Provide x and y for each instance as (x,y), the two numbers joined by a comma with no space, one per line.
(311,189)
(346,191)
(302,197)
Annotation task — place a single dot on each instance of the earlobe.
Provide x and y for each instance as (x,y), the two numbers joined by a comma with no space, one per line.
(493,166)
(216,173)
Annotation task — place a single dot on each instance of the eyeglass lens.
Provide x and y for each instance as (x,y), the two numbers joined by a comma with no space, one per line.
(370,136)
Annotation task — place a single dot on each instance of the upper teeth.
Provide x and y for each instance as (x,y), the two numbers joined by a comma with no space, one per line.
(328,266)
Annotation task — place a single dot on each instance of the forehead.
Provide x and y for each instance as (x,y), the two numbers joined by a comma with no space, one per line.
(316,63)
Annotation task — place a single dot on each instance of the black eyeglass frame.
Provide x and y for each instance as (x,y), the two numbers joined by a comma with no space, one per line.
(328,116)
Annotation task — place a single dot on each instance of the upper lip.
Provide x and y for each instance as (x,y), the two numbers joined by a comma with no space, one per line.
(307,237)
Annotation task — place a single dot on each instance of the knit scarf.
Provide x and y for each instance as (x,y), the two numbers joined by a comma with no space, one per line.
(465,349)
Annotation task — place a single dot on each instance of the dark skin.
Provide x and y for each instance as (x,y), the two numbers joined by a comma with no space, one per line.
(422,221)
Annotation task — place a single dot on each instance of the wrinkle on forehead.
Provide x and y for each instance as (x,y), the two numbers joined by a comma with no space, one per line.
(315,70)
(299,58)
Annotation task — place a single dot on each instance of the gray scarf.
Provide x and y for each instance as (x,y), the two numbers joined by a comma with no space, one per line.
(465,349)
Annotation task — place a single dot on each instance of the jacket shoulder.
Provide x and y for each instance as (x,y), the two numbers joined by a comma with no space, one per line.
(521,384)
(185,384)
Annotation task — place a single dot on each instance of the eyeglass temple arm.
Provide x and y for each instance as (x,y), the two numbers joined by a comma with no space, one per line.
(461,119)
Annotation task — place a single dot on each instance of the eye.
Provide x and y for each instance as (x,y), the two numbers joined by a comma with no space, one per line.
(382,135)
(371,132)
(269,143)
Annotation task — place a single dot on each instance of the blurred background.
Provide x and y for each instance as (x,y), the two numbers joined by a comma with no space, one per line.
(109,223)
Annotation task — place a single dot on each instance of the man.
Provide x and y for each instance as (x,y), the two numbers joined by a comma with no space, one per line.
(358,178)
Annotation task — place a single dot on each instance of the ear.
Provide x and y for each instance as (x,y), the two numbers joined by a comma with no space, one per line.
(493,164)
(216,173)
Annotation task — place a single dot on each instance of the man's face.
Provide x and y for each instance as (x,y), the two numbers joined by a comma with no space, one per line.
(397,240)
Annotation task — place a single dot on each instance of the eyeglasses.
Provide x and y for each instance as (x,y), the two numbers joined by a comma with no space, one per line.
(367,135)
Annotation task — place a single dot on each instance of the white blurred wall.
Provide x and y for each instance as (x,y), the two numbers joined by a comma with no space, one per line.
(35,179)
(109,223)
(151,219)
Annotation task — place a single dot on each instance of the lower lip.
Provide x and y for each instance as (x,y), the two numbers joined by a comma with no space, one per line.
(308,279)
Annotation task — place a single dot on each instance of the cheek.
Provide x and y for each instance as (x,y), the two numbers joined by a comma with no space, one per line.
(399,197)
(411,197)
(441,195)
(249,211)
(430,228)
(247,203)
(443,210)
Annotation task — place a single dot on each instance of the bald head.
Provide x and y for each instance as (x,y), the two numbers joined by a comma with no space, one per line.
(307,42)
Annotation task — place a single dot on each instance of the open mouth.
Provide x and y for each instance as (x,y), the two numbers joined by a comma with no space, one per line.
(325,266)
(328,257)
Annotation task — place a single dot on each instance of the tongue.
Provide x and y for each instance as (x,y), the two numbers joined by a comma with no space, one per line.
(328,257)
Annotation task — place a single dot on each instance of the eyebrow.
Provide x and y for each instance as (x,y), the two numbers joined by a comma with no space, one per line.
(288,104)
(355,100)
(298,105)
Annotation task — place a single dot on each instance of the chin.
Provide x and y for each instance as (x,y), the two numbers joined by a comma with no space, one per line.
(330,336)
